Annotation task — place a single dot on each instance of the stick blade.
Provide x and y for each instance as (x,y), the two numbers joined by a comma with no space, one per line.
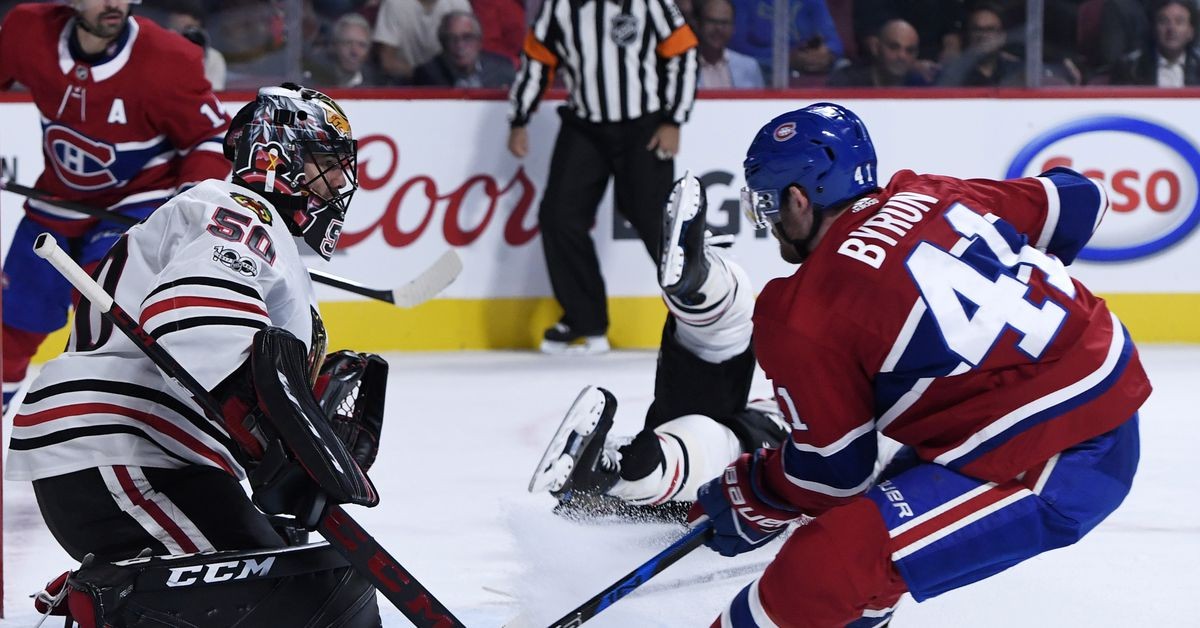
(430,283)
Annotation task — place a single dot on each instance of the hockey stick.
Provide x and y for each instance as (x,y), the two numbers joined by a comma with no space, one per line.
(424,287)
(363,552)
(634,579)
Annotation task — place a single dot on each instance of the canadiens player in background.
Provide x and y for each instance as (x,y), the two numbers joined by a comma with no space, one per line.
(128,120)
(938,312)
(122,462)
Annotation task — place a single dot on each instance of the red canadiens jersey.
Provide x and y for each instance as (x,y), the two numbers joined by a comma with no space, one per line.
(938,311)
(130,128)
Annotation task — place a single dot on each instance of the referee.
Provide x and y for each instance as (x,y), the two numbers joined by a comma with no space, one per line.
(630,69)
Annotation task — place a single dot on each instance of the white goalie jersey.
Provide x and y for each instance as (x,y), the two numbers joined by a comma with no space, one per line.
(201,275)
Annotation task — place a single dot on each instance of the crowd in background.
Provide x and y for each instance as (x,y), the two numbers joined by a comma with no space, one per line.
(840,43)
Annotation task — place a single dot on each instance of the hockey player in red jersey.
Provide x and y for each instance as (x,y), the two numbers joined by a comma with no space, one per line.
(128,120)
(123,462)
(939,312)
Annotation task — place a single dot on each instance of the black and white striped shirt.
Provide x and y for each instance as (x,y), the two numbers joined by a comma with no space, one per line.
(621,60)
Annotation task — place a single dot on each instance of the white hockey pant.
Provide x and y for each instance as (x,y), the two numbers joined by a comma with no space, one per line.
(719,328)
(695,450)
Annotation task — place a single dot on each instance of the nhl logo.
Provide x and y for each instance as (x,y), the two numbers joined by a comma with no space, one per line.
(624,29)
(81,72)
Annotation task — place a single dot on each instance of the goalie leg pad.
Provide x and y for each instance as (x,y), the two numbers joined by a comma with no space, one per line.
(302,586)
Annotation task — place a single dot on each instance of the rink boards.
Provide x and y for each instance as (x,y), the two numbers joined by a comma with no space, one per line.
(435,174)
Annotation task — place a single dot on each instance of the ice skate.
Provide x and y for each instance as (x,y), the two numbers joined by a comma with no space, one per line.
(576,461)
(683,265)
(561,339)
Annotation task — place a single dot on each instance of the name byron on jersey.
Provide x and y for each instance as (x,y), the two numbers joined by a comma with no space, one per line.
(939,312)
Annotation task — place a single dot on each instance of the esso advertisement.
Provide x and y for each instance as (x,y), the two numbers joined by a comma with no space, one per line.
(1151,174)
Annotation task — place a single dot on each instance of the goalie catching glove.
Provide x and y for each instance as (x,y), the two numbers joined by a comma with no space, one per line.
(350,389)
(309,454)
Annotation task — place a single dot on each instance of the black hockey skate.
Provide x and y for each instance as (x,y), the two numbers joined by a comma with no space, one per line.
(683,266)
(575,461)
(561,339)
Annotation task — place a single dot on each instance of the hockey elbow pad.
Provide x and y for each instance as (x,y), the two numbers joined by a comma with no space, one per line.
(351,388)
(280,376)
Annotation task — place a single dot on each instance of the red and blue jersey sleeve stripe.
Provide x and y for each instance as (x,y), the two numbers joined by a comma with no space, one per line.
(1075,206)
(826,475)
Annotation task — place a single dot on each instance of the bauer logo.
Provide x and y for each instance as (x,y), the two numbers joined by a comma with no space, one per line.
(1151,174)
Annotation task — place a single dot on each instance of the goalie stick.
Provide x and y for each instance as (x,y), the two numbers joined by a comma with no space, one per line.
(361,550)
(632,580)
(420,289)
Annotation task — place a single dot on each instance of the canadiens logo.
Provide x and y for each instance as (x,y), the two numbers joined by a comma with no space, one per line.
(80,162)
(258,208)
(785,131)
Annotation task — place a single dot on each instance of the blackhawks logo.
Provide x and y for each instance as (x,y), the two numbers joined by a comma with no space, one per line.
(258,208)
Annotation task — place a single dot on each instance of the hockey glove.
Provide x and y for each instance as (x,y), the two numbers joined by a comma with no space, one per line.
(743,516)
(350,389)
(305,466)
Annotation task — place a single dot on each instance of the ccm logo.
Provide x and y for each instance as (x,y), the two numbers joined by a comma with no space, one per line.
(1150,172)
(219,572)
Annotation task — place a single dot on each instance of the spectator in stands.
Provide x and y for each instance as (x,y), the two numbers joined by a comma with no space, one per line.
(1124,29)
(813,40)
(346,63)
(503,23)
(688,9)
(406,31)
(938,23)
(186,17)
(462,63)
(984,62)
(893,60)
(721,68)
(1170,60)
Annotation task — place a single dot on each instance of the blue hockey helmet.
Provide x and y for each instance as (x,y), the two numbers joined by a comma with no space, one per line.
(823,148)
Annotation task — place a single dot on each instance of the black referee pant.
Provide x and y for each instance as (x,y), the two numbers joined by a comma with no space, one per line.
(586,155)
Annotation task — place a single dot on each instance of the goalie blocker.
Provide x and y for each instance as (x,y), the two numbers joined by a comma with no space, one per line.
(307,461)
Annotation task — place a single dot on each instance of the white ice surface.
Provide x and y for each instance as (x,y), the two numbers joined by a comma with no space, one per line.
(465,429)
